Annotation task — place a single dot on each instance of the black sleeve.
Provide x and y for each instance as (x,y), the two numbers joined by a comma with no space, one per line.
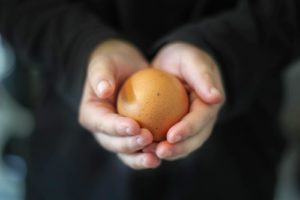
(250,43)
(58,35)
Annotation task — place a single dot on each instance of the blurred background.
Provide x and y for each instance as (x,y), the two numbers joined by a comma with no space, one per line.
(20,91)
(16,123)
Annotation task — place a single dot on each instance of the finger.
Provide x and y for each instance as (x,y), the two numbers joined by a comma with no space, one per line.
(202,75)
(140,160)
(101,76)
(196,68)
(151,148)
(194,122)
(128,144)
(99,116)
(170,151)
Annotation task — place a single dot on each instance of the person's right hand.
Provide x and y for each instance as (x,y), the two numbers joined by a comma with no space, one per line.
(110,64)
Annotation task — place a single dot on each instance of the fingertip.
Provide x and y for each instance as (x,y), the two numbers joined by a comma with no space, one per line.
(163,150)
(150,148)
(151,161)
(104,89)
(172,136)
(101,77)
(146,131)
(177,132)
(148,137)
(215,95)
(210,95)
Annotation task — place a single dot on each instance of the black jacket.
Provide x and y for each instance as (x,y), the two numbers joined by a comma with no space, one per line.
(252,42)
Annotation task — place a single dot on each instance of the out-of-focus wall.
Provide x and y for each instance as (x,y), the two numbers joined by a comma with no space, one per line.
(288,185)
(290,116)
(15,121)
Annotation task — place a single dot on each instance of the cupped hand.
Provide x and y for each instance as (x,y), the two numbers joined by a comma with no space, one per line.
(110,64)
(201,75)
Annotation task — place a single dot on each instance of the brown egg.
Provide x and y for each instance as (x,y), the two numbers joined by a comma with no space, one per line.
(155,99)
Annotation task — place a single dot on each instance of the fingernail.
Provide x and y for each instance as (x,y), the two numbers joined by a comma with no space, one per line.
(177,138)
(102,87)
(125,130)
(214,92)
(141,141)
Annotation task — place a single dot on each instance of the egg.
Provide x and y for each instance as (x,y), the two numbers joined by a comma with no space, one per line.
(155,99)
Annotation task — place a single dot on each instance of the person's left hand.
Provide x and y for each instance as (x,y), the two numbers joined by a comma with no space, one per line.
(200,73)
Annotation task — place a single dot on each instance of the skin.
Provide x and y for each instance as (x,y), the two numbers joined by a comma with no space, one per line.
(111,63)
(202,77)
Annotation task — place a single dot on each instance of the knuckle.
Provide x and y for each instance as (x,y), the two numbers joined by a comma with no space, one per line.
(133,144)
(126,147)
(189,128)
(100,127)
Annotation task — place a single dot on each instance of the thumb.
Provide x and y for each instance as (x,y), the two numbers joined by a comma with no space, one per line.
(199,72)
(203,75)
(206,85)
(101,77)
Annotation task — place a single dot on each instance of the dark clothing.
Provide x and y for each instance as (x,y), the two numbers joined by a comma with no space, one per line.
(252,42)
